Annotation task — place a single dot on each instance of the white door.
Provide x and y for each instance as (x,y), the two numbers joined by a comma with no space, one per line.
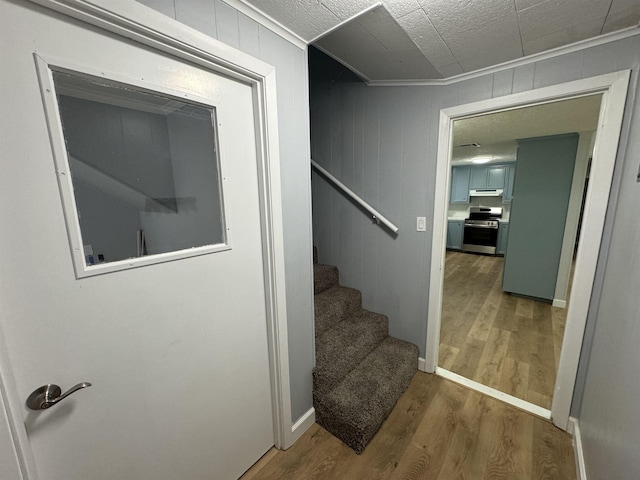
(176,351)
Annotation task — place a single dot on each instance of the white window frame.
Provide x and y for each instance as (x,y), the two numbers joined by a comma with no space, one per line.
(46,66)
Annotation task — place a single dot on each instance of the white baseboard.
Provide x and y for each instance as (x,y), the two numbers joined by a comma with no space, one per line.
(302,425)
(421,364)
(559,303)
(574,430)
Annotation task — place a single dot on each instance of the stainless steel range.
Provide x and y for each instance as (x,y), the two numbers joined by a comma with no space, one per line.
(481,230)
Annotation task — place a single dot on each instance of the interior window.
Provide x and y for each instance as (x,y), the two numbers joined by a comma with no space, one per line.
(144,167)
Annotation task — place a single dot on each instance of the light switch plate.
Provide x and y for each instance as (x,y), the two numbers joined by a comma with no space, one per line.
(421,224)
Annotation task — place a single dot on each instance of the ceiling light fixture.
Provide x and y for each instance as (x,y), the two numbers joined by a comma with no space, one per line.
(481,159)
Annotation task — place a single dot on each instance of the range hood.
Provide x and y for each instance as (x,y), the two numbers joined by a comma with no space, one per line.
(485,192)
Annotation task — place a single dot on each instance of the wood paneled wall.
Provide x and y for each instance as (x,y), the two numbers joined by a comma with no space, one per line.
(219,20)
(381,142)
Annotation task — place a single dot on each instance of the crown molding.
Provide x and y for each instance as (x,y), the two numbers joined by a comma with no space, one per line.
(536,57)
(268,22)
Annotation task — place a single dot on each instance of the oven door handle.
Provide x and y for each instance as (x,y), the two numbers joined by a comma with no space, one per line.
(481,226)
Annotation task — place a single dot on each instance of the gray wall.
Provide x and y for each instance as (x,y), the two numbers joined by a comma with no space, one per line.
(381,142)
(198,219)
(129,145)
(107,224)
(220,21)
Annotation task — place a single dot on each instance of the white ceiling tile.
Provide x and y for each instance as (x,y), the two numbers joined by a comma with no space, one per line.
(552,16)
(307,18)
(383,26)
(399,8)
(399,65)
(619,19)
(425,36)
(522,4)
(450,70)
(456,15)
(347,9)
(377,47)
(564,37)
(351,40)
(478,34)
(484,44)
(618,6)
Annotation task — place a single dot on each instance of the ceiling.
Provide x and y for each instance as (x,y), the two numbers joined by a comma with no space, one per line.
(433,39)
(496,133)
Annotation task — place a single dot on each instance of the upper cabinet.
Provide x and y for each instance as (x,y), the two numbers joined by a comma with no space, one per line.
(495,177)
(487,177)
(465,178)
(460,184)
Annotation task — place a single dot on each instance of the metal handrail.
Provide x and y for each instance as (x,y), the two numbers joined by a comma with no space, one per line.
(377,216)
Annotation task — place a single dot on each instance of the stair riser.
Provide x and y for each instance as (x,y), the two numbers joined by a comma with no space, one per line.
(345,346)
(333,306)
(356,408)
(324,277)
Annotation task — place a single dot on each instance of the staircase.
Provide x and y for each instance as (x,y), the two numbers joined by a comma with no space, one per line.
(360,370)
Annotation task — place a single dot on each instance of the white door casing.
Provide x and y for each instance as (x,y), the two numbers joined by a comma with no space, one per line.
(613,87)
(148,337)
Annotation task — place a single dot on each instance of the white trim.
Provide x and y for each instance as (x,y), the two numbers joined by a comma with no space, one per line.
(343,22)
(493,393)
(574,430)
(559,303)
(141,24)
(421,364)
(144,25)
(613,87)
(303,424)
(45,66)
(13,408)
(269,22)
(533,58)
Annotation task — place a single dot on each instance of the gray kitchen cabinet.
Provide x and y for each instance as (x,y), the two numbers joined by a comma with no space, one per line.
(538,214)
(478,177)
(503,233)
(495,177)
(510,173)
(455,229)
(460,184)
(487,177)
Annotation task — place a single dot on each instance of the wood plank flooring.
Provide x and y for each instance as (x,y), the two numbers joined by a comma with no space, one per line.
(502,341)
(439,430)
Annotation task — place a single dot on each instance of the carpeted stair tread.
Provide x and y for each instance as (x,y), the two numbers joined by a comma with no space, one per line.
(356,408)
(334,305)
(344,346)
(324,277)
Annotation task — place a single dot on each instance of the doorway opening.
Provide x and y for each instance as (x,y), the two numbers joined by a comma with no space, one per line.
(608,92)
(488,334)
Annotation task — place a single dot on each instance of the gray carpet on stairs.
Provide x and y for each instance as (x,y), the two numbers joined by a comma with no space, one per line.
(334,305)
(361,371)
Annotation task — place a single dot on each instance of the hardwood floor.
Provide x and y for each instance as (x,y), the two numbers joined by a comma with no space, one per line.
(502,341)
(439,430)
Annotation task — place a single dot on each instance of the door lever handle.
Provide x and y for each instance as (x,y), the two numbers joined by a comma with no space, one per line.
(48,395)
